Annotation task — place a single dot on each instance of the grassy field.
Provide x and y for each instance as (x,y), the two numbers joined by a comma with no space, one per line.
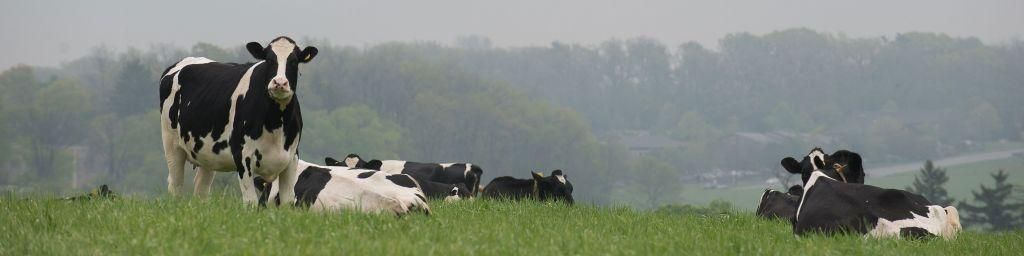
(962,180)
(223,226)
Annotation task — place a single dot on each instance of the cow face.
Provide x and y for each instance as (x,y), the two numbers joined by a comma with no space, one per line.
(282,57)
(457,192)
(554,187)
(842,165)
(351,161)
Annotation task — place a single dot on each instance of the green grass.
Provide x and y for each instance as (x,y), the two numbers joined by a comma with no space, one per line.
(36,226)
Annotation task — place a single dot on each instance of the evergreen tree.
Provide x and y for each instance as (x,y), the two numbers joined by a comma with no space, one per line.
(997,212)
(930,183)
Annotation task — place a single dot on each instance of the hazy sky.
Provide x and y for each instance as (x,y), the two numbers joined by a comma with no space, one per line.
(47,32)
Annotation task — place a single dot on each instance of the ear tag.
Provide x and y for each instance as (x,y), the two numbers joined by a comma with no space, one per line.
(309,57)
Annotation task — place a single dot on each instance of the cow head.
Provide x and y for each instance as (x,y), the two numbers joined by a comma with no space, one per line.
(458,192)
(282,56)
(842,165)
(351,161)
(554,187)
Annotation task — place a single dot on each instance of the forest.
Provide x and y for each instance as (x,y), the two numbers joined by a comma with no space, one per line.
(626,116)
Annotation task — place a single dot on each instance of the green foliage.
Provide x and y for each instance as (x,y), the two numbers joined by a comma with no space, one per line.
(352,129)
(657,181)
(930,184)
(995,210)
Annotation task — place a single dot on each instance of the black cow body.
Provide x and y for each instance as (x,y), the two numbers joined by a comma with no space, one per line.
(779,205)
(232,117)
(830,206)
(554,187)
(447,181)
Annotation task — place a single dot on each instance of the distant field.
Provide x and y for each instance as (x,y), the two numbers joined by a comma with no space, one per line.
(962,179)
(223,226)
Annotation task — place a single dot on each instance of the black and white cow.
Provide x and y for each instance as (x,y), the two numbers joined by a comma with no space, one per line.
(831,206)
(554,187)
(433,189)
(449,173)
(778,205)
(327,188)
(842,165)
(232,117)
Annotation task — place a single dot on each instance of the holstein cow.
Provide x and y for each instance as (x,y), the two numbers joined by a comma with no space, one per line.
(842,165)
(228,117)
(554,187)
(433,189)
(831,206)
(334,187)
(448,173)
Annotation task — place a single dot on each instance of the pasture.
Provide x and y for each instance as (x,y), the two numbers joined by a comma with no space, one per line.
(222,225)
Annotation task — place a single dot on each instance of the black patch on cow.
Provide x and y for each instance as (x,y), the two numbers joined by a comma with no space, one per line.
(329,161)
(364,175)
(193,153)
(421,197)
(263,188)
(312,180)
(374,164)
(259,158)
(402,180)
(914,232)
(220,145)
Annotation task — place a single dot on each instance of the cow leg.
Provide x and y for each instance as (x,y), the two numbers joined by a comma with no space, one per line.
(249,194)
(286,183)
(203,182)
(175,165)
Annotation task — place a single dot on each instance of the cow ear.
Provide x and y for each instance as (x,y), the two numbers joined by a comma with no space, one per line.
(537,176)
(791,165)
(332,162)
(307,54)
(256,50)
(374,164)
(556,173)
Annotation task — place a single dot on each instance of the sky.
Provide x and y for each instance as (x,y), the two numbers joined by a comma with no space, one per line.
(48,32)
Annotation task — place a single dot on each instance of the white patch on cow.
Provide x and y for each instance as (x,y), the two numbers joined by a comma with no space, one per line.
(185,62)
(351,161)
(392,166)
(373,194)
(560,178)
(816,153)
(937,223)
(469,166)
(810,184)
(446,165)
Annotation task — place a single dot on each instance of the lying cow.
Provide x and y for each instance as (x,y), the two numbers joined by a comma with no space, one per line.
(842,165)
(433,189)
(554,187)
(831,206)
(333,188)
(778,205)
(448,173)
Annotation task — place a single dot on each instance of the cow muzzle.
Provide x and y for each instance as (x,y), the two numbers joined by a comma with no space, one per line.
(280,90)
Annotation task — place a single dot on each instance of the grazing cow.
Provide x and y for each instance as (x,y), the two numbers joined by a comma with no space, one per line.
(779,205)
(831,206)
(232,117)
(842,165)
(448,173)
(433,189)
(334,187)
(554,187)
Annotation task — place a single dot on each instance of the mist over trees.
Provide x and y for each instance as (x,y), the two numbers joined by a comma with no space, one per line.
(599,112)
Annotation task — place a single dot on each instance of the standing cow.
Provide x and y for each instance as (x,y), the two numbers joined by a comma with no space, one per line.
(234,117)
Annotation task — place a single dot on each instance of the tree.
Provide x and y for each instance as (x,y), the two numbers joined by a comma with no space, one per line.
(134,83)
(996,211)
(929,183)
(58,113)
(656,180)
